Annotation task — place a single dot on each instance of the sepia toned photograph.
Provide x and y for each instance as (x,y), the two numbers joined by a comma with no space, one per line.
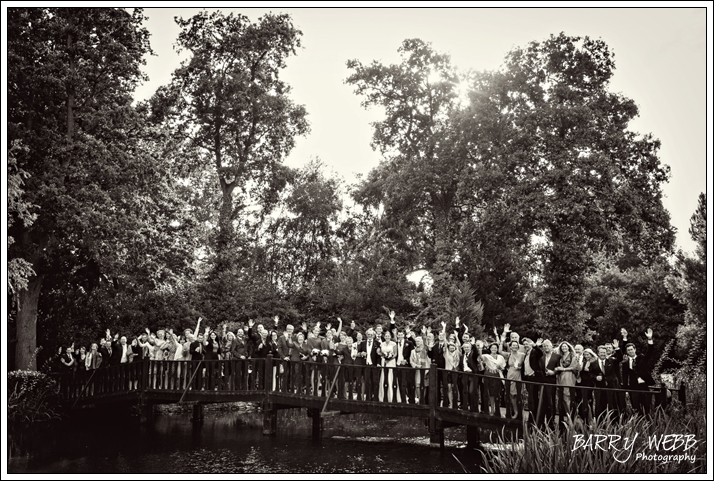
(356,240)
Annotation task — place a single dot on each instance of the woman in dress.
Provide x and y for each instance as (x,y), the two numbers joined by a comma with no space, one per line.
(566,371)
(80,358)
(451,357)
(388,351)
(514,361)
(273,351)
(420,361)
(494,364)
(587,379)
(299,351)
(347,355)
(212,347)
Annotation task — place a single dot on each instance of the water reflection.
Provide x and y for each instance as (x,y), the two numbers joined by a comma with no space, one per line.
(234,443)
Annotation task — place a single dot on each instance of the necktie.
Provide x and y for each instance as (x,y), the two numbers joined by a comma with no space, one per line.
(602,366)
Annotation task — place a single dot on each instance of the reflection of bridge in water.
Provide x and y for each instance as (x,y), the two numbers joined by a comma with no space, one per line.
(324,389)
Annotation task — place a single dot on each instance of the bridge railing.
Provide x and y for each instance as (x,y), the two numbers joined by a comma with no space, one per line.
(351,382)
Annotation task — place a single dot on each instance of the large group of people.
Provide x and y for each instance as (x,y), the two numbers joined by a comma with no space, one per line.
(556,380)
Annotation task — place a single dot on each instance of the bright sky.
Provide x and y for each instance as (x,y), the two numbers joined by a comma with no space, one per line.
(660,57)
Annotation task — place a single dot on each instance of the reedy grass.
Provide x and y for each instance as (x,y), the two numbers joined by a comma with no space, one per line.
(551,451)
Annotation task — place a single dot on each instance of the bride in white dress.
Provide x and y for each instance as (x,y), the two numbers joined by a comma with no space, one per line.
(388,351)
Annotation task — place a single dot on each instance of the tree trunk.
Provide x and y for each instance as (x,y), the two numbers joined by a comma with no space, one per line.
(226,232)
(26,322)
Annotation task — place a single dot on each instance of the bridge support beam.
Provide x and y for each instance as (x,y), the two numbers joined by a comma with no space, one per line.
(316,424)
(436,435)
(197,412)
(473,437)
(270,421)
(146,412)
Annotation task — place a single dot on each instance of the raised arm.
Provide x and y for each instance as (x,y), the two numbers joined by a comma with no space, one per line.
(339,328)
(196,331)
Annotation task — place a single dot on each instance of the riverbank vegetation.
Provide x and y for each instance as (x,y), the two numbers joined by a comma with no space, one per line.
(567,450)
(32,397)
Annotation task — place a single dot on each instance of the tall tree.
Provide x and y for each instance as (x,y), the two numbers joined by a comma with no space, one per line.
(418,179)
(297,240)
(688,284)
(103,204)
(232,112)
(578,181)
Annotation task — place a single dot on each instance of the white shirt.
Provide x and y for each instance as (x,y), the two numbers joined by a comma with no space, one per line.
(400,351)
(369,352)
(123,354)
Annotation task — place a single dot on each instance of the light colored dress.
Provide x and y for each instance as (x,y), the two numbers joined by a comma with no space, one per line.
(514,363)
(493,367)
(388,348)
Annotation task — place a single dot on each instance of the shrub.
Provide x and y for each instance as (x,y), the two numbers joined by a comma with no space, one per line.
(32,396)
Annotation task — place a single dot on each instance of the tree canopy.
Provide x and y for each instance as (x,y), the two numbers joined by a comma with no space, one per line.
(527,201)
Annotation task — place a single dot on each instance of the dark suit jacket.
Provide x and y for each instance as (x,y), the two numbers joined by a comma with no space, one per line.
(436,353)
(376,359)
(238,348)
(117,352)
(640,368)
(406,350)
(470,360)
(587,378)
(552,364)
(296,350)
(196,356)
(283,348)
(611,376)
(106,357)
(534,359)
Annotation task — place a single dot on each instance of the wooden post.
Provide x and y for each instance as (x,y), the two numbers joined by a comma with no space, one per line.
(197,412)
(146,412)
(683,397)
(433,396)
(473,437)
(663,396)
(268,380)
(270,420)
(145,375)
(436,437)
(316,424)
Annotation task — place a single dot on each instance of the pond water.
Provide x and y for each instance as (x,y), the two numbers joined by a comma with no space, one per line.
(233,443)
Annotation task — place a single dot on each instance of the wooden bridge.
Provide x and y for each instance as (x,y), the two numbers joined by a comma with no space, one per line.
(321,388)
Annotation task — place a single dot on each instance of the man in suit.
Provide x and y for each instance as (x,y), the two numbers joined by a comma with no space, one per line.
(105,349)
(436,353)
(284,354)
(469,365)
(368,351)
(405,378)
(636,375)
(548,362)
(533,372)
(606,372)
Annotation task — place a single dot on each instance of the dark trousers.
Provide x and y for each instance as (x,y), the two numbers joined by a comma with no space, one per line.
(533,398)
(371,380)
(405,381)
(641,399)
(549,401)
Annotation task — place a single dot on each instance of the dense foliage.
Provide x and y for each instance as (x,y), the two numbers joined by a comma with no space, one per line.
(527,201)
(32,396)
